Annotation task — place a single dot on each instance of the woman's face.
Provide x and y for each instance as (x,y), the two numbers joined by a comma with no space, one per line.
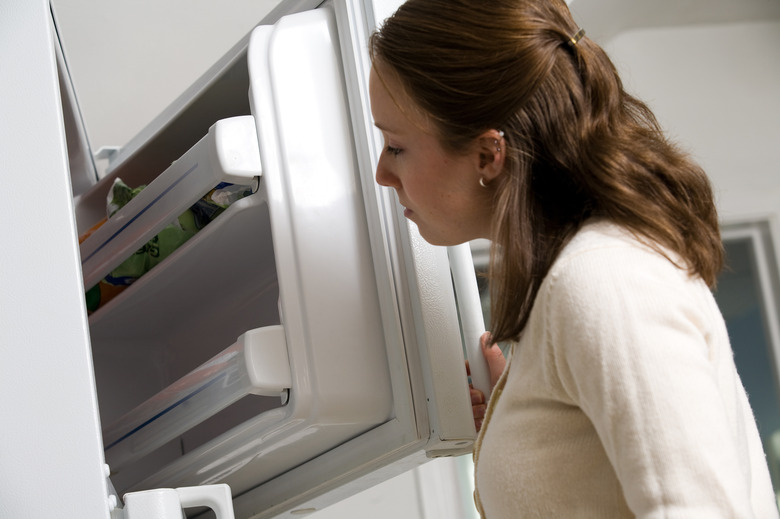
(440,191)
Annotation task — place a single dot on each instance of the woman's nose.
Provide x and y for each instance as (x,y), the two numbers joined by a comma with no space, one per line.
(384,177)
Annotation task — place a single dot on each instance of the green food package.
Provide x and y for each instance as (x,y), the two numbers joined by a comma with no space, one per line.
(163,243)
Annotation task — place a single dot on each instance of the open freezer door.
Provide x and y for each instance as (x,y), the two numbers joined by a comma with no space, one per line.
(305,343)
(394,299)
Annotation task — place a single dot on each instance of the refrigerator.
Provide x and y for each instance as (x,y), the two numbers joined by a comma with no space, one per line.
(304,345)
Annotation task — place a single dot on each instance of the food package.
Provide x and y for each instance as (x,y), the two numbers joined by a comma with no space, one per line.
(170,238)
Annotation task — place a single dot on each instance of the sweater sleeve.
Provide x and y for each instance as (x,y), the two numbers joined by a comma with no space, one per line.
(629,340)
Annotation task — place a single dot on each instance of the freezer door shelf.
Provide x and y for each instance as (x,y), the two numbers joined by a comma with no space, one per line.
(228,153)
(256,364)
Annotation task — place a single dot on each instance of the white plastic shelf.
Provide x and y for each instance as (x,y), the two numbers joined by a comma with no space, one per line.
(228,153)
(256,364)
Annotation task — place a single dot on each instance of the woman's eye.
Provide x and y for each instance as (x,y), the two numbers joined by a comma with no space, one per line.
(392,150)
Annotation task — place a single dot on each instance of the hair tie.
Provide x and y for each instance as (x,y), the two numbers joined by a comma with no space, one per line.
(576,38)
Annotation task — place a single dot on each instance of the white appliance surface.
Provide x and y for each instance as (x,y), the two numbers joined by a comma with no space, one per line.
(50,449)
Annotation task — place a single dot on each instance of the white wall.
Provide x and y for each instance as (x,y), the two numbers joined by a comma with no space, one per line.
(716,90)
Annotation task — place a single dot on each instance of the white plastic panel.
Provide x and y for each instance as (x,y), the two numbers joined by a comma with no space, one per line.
(50,450)
(167,503)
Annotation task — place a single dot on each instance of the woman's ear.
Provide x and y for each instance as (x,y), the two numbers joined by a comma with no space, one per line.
(491,147)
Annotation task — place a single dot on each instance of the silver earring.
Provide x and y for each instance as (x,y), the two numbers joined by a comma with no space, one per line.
(500,134)
(482,182)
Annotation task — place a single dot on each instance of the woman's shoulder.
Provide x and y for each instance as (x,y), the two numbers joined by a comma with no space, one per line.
(601,234)
(604,258)
(606,275)
(602,243)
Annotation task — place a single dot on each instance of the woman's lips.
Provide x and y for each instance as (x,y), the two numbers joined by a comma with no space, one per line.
(408,212)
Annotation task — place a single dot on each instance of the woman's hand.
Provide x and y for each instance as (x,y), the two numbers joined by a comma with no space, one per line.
(496,363)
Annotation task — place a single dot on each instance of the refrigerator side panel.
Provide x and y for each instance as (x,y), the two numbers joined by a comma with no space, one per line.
(51,448)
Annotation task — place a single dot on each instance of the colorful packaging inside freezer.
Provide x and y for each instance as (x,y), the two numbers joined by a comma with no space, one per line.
(170,238)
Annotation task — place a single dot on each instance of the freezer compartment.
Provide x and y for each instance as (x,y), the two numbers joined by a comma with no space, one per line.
(191,307)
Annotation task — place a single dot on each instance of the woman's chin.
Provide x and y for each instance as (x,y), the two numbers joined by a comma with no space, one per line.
(437,239)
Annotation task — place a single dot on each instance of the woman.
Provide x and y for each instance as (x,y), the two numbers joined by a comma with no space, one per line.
(621,398)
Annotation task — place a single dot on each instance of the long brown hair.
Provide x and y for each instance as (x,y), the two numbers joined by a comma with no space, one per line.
(579,146)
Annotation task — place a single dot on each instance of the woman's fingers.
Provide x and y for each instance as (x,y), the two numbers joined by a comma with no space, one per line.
(493,356)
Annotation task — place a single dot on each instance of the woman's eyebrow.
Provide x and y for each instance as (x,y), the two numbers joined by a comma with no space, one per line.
(389,129)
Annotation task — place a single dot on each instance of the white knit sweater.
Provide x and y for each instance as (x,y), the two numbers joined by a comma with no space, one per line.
(622,398)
